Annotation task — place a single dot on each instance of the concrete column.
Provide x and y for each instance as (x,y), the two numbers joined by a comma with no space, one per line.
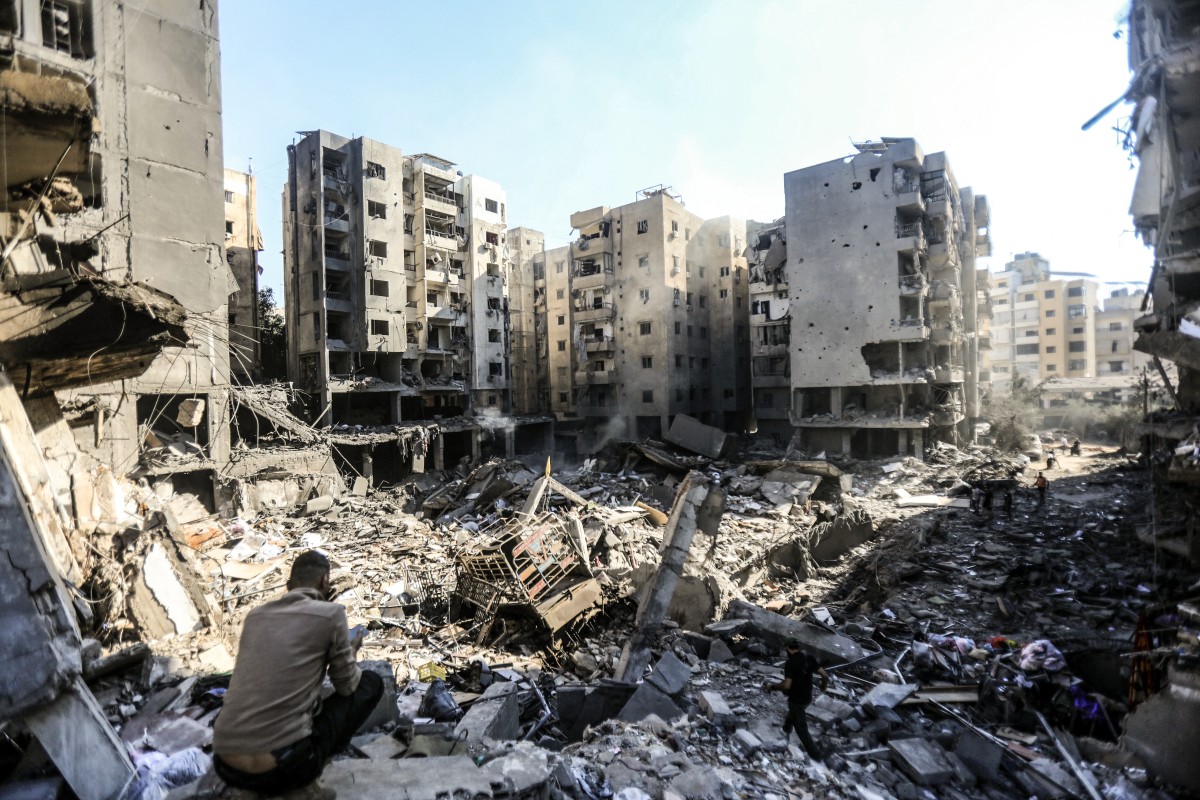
(437,450)
(902,435)
(919,444)
(835,402)
(369,465)
(397,416)
(76,735)
(846,437)
(476,450)
(510,443)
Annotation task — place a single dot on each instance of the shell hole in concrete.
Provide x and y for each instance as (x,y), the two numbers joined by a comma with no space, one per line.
(874,175)
(854,187)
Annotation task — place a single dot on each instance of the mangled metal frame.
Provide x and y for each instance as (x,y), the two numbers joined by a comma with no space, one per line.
(537,566)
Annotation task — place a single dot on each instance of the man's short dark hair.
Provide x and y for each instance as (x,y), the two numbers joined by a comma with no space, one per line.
(792,644)
(308,569)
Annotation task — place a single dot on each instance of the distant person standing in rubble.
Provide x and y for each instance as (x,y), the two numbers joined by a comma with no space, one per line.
(274,735)
(1041,483)
(1008,502)
(988,496)
(797,683)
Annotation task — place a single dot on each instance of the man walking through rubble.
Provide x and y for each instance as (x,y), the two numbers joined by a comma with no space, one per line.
(1041,483)
(274,734)
(797,683)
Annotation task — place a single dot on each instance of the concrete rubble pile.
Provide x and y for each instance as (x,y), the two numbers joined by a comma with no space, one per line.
(605,630)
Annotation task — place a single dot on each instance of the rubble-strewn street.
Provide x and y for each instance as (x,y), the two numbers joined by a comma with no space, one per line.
(395,496)
(971,654)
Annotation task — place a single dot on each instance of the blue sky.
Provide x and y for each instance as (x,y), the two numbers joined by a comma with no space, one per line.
(571,106)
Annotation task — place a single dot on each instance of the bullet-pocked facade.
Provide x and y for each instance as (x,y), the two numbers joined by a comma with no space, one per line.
(882,299)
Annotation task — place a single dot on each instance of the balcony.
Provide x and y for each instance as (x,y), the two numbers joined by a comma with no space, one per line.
(605,344)
(594,377)
(595,313)
(338,301)
(441,203)
(945,335)
(773,381)
(333,179)
(909,330)
(938,205)
(593,280)
(441,275)
(946,417)
(949,375)
(942,254)
(983,245)
(910,238)
(337,223)
(912,285)
(583,248)
(909,199)
(337,260)
(441,239)
(771,349)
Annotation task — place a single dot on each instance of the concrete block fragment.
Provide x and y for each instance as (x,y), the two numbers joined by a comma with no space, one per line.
(719,652)
(692,434)
(699,643)
(495,715)
(746,742)
(888,695)
(360,487)
(649,700)
(318,504)
(716,709)
(981,756)
(670,675)
(922,760)
(385,711)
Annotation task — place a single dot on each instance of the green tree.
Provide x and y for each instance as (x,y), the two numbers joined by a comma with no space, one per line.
(1015,415)
(273,336)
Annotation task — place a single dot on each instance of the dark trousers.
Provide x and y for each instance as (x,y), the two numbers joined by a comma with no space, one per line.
(301,763)
(797,720)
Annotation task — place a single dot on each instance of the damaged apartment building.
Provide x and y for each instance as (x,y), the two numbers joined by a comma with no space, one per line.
(114,176)
(115,342)
(1163,134)
(645,322)
(899,367)
(243,243)
(396,285)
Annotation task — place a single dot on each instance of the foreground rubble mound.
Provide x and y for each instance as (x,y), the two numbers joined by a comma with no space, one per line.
(607,631)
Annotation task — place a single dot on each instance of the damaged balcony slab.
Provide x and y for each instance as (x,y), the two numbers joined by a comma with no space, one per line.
(84,331)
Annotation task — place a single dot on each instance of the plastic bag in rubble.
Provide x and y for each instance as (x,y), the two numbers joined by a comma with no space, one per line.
(158,774)
(1041,655)
(439,704)
(631,794)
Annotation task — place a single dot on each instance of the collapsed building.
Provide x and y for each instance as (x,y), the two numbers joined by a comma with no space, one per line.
(899,367)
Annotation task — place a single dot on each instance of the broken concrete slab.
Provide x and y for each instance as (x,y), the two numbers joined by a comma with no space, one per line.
(649,700)
(746,742)
(888,695)
(980,755)
(716,709)
(776,629)
(385,711)
(670,675)
(692,434)
(494,715)
(719,652)
(922,760)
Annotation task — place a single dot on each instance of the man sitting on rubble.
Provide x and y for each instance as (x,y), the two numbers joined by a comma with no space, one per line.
(797,682)
(274,734)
